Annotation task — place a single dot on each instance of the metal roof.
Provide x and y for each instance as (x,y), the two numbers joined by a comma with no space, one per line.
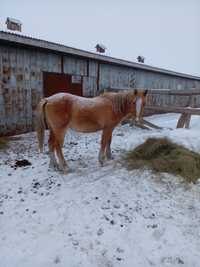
(38,43)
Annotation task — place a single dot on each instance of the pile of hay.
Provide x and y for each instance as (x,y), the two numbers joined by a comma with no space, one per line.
(3,143)
(162,155)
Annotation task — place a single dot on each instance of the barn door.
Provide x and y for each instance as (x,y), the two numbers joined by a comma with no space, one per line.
(57,82)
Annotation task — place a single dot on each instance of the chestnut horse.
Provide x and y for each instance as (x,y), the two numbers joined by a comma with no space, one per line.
(62,111)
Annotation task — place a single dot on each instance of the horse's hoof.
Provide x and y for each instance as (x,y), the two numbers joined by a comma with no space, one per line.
(54,166)
(64,169)
(101,159)
(110,157)
(65,172)
(101,162)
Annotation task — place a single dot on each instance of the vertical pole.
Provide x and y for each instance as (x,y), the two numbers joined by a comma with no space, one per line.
(98,76)
(62,63)
(88,65)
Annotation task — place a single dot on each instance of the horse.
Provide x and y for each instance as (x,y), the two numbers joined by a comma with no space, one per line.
(62,111)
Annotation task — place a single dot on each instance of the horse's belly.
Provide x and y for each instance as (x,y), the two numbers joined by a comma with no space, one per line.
(86,127)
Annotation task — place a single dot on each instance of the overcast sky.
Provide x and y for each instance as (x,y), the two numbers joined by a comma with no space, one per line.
(165,32)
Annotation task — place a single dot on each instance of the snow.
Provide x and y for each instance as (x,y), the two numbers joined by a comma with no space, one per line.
(98,216)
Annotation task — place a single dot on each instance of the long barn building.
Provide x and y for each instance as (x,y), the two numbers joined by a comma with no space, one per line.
(32,68)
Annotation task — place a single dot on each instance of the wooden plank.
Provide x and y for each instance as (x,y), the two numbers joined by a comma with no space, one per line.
(186,110)
(139,125)
(150,124)
(188,92)
(181,121)
(187,123)
(184,121)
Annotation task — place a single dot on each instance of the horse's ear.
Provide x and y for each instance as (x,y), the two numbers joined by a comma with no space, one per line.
(135,92)
(145,92)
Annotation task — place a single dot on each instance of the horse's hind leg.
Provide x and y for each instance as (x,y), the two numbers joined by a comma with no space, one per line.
(60,135)
(53,163)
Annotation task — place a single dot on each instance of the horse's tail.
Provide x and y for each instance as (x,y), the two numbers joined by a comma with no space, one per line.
(41,123)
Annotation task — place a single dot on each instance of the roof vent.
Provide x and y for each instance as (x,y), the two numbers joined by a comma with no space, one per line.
(100,48)
(14,24)
(140,59)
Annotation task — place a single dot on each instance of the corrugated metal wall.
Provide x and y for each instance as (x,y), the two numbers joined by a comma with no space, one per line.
(21,82)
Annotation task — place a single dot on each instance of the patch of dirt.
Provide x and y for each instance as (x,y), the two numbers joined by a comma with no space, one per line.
(22,163)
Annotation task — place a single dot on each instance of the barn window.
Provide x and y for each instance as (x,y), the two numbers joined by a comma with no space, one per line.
(76,79)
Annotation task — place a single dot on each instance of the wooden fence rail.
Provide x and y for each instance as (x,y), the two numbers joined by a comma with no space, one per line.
(186,110)
(188,92)
(184,92)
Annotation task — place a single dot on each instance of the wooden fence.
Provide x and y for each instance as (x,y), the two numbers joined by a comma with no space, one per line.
(174,98)
(185,102)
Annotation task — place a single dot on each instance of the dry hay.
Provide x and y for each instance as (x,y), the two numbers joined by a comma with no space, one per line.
(162,155)
(3,143)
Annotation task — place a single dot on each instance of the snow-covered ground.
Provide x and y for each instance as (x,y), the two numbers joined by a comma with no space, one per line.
(98,216)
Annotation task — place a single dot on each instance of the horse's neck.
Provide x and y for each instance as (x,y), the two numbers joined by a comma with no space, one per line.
(126,112)
(127,109)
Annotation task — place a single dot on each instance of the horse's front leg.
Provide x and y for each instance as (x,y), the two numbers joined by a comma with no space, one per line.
(105,151)
(108,149)
(108,152)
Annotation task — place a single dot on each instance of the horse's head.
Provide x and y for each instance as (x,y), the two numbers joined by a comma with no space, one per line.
(139,100)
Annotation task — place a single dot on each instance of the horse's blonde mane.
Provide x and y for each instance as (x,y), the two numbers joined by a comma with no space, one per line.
(120,101)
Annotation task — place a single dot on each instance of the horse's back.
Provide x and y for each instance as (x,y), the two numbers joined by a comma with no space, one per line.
(59,97)
(78,101)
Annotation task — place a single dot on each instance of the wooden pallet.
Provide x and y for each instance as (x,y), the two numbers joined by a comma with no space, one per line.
(144,124)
